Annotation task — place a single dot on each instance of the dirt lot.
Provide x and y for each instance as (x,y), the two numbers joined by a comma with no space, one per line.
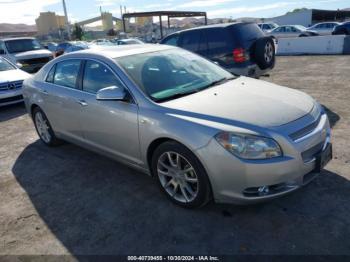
(70,201)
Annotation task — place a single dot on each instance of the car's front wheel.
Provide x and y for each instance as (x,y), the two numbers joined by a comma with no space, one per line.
(181,176)
(44,129)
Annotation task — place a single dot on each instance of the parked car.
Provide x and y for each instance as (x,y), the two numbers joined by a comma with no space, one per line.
(61,48)
(202,132)
(325,28)
(342,29)
(77,46)
(11,79)
(26,51)
(285,31)
(129,41)
(240,48)
(267,27)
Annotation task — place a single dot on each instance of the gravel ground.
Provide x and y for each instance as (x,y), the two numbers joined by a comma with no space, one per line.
(68,200)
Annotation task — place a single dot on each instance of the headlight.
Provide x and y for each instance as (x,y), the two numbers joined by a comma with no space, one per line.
(249,146)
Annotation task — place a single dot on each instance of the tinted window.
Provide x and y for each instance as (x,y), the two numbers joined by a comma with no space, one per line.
(190,40)
(51,74)
(22,45)
(67,73)
(218,40)
(97,76)
(172,40)
(248,31)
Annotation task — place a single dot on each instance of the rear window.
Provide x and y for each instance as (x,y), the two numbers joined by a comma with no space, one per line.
(248,32)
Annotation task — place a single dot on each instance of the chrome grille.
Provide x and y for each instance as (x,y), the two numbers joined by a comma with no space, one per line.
(11,86)
(305,130)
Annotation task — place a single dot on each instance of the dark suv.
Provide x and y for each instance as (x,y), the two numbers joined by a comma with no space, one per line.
(343,29)
(241,48)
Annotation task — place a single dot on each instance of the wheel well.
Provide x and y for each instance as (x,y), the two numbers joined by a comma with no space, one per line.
(152,147)
(32,109)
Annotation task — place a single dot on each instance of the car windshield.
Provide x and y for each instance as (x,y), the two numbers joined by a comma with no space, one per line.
(5,66)
(22,45)
(169,74)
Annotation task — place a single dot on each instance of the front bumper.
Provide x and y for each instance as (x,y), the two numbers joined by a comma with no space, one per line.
(241,181)
(11,97)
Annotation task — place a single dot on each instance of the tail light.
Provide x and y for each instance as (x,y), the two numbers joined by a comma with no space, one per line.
(239,55)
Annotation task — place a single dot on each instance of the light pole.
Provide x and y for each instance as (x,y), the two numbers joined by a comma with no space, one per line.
(66,18)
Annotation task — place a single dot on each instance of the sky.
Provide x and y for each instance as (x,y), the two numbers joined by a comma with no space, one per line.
(25,11)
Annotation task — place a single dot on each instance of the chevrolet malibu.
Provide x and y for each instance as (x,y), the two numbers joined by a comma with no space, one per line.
(201,132)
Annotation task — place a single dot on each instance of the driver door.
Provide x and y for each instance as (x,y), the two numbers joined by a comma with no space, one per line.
(110,126)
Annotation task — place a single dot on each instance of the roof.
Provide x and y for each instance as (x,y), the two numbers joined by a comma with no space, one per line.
(120,51)
(224,25)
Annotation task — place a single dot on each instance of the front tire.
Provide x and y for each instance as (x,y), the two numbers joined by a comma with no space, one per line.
(44,129)
(180,175)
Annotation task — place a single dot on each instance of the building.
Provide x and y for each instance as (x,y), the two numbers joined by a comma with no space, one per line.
(49,22)
(308,17)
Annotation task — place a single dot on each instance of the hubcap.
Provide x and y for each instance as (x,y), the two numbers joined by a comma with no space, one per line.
(42,127)
(178,177)
(268,52)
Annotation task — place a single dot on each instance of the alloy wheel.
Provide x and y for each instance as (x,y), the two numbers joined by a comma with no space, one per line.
(42,127)
(268,55)
(178,177)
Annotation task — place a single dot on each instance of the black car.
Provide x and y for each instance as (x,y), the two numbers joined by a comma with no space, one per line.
(343,29)
(241,48)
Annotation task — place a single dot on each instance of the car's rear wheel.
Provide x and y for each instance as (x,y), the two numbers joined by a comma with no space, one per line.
(44,129)
(181,176)
(265,52)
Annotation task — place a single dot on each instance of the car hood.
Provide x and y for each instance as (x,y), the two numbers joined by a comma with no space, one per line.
(13,75)
(33,54)
(248,101)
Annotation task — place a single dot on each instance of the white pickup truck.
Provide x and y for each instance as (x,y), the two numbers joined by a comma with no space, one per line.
(26,52)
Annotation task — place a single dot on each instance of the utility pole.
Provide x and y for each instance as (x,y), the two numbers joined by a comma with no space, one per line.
(66,18)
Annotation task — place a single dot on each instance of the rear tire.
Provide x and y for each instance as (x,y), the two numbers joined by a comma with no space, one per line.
(265,52)
(44,129)
(180,175)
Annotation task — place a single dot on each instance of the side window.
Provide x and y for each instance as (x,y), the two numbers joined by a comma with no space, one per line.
(51,74)
(2,46)
(172,40)
(97,76)
(217,41)
(190,40)
(66,73)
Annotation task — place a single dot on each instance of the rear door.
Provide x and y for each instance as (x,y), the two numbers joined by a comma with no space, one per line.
(220,45)
(63,99)
(190,40)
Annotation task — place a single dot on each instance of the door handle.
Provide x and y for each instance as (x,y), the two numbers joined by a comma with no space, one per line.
(44,92)
(82,102)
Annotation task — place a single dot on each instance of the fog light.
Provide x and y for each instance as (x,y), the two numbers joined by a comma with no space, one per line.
(263,190)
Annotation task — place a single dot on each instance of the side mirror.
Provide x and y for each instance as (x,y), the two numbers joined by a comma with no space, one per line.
(2,51)
(111,93)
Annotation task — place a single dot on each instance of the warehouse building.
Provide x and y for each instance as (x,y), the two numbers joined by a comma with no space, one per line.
(309,17)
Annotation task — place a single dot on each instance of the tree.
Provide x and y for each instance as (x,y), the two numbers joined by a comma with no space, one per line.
(111,32)
(297,10)
(78,32)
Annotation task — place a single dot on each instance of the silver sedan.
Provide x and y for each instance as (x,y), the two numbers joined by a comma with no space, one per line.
(200,131)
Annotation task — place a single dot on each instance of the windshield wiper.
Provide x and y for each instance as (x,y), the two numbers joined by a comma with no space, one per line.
(218,82)
(176,95)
